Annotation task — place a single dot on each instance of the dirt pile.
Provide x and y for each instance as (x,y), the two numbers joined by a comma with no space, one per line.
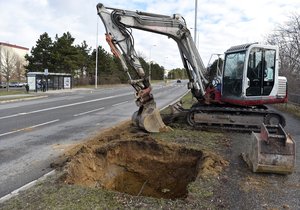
(137,164)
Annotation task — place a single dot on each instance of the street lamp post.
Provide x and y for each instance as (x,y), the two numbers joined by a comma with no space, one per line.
(150,62)
(96,68)
(164,69)
(195,32)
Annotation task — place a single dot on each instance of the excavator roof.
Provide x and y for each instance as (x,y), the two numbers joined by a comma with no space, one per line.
(239,47)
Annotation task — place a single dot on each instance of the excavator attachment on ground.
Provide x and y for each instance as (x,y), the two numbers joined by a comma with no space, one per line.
(271,151)
(148,117)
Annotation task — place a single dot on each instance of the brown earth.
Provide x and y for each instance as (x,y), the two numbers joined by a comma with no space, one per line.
(124,168)
(127,160)
(149,163)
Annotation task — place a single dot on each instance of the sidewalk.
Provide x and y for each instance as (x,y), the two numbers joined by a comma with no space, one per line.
(31,95)
(20,97)
(39,94)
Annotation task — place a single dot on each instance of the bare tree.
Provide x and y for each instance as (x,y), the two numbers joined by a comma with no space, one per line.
(8,63)
(19,68)
(287,37)
(0,64)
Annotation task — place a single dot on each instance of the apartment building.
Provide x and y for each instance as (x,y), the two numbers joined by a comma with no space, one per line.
(18,72)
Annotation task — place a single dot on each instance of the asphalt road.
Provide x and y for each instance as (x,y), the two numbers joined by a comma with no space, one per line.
(33,133)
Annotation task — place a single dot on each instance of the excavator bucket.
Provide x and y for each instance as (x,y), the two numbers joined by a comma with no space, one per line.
(271,151)
(148,118)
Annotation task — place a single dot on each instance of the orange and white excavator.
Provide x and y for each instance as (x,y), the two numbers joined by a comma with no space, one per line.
(233,99)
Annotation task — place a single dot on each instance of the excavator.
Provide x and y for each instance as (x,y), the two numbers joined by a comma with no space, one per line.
(233,99)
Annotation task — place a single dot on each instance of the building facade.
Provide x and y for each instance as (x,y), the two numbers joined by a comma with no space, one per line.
(12,61)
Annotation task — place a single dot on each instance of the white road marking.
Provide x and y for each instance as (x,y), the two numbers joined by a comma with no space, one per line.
(67,105)
(34,126)
(124,102)
(82,113)
(25,187)
(14,115)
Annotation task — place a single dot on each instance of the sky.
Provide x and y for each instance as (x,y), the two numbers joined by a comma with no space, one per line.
(220,23)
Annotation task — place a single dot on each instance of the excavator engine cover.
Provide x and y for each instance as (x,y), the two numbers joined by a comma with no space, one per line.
(271,151)
(148,118)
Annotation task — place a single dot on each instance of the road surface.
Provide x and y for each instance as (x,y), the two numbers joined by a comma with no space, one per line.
(32,133)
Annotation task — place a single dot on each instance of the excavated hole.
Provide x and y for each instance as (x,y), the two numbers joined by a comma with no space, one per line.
(136,167)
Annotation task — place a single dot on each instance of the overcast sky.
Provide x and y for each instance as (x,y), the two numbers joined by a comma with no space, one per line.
(221,23)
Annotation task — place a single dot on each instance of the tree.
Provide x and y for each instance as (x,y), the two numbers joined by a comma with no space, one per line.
(19,68)
(64,55)
(157,72)
(177,73)
(213,68)
(287,37)
(41,55)
(84,63)
(8,63)
(144,64)
(106,71)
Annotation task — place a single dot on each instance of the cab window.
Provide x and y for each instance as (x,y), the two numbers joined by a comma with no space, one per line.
(260,73)
(233,74)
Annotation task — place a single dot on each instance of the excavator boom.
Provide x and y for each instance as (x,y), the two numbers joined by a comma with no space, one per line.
(118,24)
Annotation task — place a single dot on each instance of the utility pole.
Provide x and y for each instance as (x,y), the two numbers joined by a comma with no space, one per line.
(0,64)
(195,31)
(150,63)
(164,70)
(96,68)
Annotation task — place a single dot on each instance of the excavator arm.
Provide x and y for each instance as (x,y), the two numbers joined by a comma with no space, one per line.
(118,24)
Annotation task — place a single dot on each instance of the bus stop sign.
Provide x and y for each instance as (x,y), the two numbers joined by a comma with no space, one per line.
(46,72)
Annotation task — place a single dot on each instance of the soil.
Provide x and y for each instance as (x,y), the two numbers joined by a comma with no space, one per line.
(125,168)
(134,162)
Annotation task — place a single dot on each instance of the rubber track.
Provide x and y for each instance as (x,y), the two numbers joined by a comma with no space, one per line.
(232,111)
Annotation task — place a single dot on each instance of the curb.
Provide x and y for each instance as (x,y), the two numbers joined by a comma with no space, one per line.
(22,99)
(25,187)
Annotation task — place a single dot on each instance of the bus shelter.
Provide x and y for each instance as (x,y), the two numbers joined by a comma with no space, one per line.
(39,81)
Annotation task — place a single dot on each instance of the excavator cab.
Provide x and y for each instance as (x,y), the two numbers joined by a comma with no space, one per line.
(250,76)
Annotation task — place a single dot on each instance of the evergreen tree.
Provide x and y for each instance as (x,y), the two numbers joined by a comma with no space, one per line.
(212,70)
(84,62)
(65,54)
(157,72)
(40,57)
(177,73)
(145,65)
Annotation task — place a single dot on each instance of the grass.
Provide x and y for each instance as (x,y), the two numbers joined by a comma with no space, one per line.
(192,138)
(186,101)
(11,92)
(51,194)
(293,109)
